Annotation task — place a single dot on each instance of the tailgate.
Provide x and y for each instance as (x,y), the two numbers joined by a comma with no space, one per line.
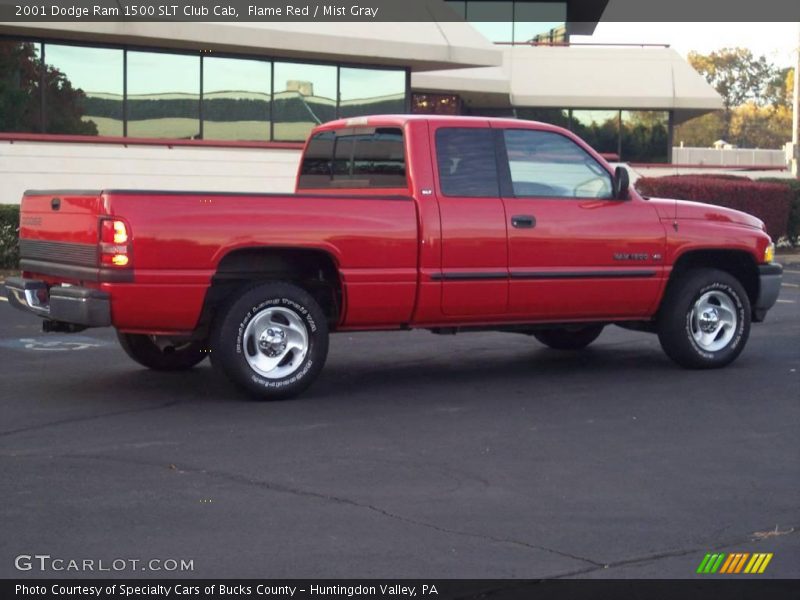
(59,233)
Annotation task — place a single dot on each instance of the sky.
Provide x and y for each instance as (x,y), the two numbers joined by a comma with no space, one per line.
(776,41)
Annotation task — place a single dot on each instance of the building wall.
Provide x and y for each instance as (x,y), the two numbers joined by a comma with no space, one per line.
(41,165)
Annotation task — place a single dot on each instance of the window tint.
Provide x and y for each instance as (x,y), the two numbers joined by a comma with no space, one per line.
(547,164)
(466,160)
(369,158)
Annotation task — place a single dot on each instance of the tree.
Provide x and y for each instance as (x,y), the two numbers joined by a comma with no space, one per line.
(756,96)
(754,126)
(738,77)
(779,89)
(701,131)
(21,77)
(19,87)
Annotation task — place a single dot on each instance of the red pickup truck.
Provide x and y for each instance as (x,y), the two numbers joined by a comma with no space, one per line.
(398,222)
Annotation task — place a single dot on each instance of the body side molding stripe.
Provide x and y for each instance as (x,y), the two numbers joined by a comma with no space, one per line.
(613,274)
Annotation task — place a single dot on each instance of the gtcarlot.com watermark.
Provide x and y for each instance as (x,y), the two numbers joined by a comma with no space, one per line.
(44,563)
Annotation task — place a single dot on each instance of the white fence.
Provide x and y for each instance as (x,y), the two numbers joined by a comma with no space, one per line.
(729,157)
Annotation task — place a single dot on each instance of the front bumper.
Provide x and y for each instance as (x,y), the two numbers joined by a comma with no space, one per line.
(769,286)
(84,307)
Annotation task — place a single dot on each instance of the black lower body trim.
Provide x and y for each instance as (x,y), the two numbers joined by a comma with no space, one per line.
(54,269)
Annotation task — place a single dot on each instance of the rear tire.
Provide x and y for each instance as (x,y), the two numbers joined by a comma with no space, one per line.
(161,355)
(563,338)
(704,321)
(272,341)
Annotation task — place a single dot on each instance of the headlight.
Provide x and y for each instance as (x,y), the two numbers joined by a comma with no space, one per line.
(769,253)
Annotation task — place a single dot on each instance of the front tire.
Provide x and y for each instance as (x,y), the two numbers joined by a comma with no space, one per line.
(704,321)
(162,354)
(272,341)
(564,338)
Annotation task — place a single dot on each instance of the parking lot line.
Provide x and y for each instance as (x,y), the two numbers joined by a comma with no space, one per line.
(792,285)
(786,301)
(3,298)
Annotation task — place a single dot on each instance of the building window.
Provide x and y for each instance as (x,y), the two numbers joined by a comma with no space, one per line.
(20,93)
(645,136)
(371,92)
(495,20)
(599,128)
(517,21)
(540,22)
(553,116)
(304,97)
(84,90)
(163,95)
(237,99)
(435,104)
(73,89)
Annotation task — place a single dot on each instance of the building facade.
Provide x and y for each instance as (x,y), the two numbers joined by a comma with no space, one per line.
(226,106)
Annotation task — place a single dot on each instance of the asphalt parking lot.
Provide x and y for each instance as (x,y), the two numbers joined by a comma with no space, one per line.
(477,455)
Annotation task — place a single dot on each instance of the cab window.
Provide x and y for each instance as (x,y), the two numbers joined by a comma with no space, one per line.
(547,164)
(360,158)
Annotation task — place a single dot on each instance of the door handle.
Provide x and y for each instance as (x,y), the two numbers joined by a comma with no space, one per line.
(523,221)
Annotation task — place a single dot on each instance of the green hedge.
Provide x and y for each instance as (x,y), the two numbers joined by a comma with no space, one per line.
(793,227)
(9,236)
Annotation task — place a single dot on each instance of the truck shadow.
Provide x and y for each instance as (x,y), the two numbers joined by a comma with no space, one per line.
(491,371)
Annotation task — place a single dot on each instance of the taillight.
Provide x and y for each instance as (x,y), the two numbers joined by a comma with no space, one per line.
(114,243)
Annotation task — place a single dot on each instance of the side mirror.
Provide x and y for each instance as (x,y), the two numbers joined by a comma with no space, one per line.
(621,183)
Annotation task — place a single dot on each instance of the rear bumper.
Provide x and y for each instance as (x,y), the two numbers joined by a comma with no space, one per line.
(769,286)
(85,307)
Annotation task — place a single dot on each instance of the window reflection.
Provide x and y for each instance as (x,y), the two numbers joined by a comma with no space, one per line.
(371,92)
(645,135)
(84,91)
(495,20)
(20,108)
(163,95)
(599,128)
(236,99)
(553,116)
(515,20)
(304,97)
(92,91)
(540,21)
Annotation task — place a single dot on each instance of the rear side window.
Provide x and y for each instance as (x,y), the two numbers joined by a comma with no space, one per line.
(360,158)
(466,161)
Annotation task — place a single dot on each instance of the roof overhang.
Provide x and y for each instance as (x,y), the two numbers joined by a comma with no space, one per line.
(583,77)
(421,46)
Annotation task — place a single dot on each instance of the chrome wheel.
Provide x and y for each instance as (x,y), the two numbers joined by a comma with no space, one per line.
(275,342)
(713,321)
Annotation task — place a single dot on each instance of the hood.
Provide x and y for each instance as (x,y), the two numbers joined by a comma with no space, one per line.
(686,210)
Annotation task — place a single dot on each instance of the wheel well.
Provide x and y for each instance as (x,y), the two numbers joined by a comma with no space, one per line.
(738,263)
(313,270)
